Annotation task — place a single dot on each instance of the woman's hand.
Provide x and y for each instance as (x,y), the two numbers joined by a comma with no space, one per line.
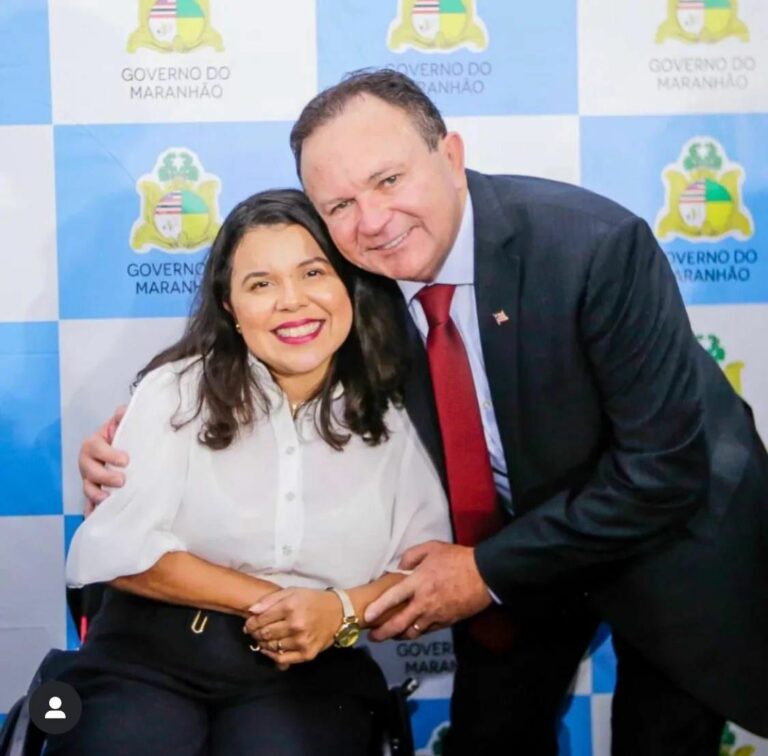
(294,625)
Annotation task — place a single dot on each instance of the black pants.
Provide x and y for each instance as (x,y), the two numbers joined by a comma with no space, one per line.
(512,703)
(151,686)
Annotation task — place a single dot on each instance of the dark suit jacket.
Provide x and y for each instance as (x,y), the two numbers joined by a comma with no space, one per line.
(636,471)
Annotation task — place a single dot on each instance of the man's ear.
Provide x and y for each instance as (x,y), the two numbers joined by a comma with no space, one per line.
(452,147)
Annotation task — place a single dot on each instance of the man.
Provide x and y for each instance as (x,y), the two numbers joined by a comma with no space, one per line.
(599,466)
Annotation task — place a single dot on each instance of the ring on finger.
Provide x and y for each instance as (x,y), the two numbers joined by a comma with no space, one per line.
(416,627)
(279,647)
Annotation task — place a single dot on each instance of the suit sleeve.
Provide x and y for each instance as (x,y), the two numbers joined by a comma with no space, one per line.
(653,471)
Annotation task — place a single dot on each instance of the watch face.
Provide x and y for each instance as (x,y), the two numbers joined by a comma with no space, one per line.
(348,635)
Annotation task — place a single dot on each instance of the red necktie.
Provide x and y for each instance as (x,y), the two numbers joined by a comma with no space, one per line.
(471,488)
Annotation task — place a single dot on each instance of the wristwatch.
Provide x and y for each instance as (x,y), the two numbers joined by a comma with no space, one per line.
(349,631)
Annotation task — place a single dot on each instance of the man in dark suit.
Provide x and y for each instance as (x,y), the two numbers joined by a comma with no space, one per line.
(630,476)
(599,466)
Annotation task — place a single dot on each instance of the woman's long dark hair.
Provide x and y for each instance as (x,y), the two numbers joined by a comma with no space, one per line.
(370,364)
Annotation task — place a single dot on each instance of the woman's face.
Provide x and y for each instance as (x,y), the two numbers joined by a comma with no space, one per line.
(293,309)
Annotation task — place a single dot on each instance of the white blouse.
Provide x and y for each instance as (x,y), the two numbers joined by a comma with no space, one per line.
(278,503)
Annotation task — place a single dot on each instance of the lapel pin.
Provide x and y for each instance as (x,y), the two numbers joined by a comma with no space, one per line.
(500,317)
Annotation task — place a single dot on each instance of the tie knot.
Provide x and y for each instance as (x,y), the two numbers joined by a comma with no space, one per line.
(436,301)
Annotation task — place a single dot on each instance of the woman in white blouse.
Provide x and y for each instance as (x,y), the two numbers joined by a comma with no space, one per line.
(270,461)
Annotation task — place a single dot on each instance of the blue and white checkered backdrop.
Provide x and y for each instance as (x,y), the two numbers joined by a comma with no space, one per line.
(111,111)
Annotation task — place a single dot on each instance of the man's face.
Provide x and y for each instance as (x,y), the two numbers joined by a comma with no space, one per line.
(392,206)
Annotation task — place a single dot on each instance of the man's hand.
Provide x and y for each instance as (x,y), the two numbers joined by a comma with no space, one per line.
(445,587)
(97,452)
(295,624)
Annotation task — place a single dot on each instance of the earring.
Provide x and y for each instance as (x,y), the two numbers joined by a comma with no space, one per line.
(237,327)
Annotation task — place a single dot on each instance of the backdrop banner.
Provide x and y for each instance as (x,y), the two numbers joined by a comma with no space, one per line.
(129,129)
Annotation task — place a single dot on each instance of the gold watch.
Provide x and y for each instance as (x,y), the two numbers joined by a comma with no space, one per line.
(349,631)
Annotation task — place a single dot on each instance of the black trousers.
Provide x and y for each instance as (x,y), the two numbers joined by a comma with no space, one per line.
(512,703)
(150,685)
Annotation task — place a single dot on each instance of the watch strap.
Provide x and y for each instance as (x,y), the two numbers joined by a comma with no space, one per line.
(346,603)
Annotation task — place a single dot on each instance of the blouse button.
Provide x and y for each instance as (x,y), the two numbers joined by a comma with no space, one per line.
(287,551)
(290,450)
(290,496)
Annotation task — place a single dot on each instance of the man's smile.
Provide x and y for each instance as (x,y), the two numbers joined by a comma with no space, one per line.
(392,243)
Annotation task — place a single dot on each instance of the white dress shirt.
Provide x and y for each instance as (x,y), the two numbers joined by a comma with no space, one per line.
(278,503)
(459,269)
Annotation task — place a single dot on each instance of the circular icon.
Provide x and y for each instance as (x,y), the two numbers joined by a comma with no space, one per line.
(55,708)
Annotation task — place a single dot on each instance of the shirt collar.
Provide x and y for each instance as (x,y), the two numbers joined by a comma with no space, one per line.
(459,267)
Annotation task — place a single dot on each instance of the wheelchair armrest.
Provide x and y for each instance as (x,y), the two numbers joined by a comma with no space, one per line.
(398,736)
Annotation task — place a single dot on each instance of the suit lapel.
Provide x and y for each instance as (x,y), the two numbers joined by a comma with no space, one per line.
(497,298)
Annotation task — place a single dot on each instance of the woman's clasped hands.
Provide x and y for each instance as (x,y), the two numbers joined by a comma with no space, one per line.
(294,625)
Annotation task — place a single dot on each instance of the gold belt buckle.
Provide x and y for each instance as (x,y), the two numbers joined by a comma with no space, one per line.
(199,622)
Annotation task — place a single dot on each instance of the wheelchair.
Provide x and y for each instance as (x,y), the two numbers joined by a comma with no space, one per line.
(20,737)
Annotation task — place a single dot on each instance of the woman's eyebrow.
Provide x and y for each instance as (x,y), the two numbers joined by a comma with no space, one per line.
(255,274)
(313,260)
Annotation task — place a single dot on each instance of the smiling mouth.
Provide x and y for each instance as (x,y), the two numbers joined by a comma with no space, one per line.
(300,333)
(390,245)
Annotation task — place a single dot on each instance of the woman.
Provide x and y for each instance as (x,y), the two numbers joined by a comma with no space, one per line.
(269,463)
